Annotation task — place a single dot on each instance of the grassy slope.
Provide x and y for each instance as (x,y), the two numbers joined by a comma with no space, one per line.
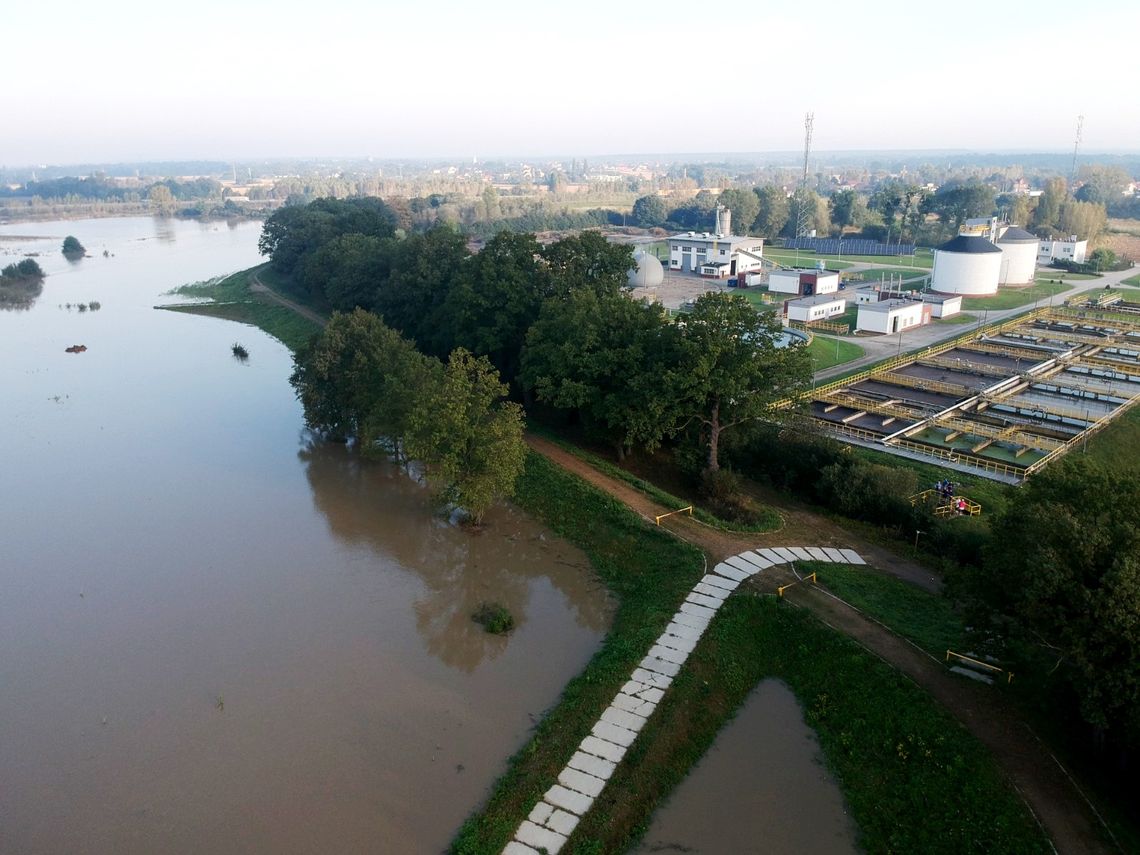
(233,301)
(823,352)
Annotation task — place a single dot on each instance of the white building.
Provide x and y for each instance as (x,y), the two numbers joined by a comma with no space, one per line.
(803,282)
(715,255)
(818,307)
(1070,249)
(892,316)
(941,305)
(1018,256)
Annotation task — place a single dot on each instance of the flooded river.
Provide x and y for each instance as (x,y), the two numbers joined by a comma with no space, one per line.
(217,635)
(761,788)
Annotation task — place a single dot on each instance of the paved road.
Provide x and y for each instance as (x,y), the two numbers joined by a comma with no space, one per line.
(883,347)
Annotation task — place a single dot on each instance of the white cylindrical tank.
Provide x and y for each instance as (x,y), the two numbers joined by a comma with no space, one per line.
(647,272)
(723,220)
(966,265)
(1018,256)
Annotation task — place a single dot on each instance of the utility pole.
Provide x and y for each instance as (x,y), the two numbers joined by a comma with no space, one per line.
(1076,150)
(802,209)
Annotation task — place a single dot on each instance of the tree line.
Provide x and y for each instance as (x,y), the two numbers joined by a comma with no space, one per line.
(896,210)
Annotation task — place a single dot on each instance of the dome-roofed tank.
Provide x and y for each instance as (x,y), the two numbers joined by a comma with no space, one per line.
(967,265)
(1019,256)
(648,272)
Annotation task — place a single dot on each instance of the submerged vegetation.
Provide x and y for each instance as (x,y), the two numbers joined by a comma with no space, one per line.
(239,352)
(72,248)
(494,617)
(21,283)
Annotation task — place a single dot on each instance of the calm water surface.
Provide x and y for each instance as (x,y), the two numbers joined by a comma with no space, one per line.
(761,789)
(217,635)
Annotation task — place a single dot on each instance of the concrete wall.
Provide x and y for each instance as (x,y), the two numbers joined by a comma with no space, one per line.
(966,272)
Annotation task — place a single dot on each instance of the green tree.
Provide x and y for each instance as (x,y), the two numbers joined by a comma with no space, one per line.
(847,209)
(360,379)
(1064,562)
(729,370)
(586,260)
(1086,220)
(957,202)
(1046,217)
(73,248)
(603,356)
(773,213)
(161,199)
(423,269)
(469,438)
(745,207)
(650,211)
(349,270)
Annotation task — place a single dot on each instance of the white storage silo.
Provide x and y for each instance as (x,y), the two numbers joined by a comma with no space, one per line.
(966,265)
(646,272)
(1019,256)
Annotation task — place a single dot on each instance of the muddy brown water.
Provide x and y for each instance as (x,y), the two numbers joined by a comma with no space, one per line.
(761,788)
(217,634)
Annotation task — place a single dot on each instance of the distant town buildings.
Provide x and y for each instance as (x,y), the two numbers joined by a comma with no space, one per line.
(1067,249)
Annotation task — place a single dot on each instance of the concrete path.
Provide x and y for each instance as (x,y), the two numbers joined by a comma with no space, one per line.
(582,780)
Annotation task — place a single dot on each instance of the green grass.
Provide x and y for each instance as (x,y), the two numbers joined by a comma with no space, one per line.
(756,298)
(912,277)
(913,778)
(1116,445)
(960,318)
(768,520)
(919,616)
(1132,280)
(828,352)
(842,263)
(233,301)
(1011,298)
(909,772)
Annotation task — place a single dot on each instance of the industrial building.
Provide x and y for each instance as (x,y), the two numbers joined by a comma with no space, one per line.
(1069,249)
(803,283)
(892,316)
(717,255)
(818,307)
(967,264)
(1019,256)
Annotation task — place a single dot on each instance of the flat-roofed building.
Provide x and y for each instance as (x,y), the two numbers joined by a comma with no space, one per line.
(818,307)
(1069,249)
(713,255)
(892,316)
(803,282)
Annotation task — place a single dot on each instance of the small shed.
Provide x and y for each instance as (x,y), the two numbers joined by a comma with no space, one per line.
(892,316)
(818,307)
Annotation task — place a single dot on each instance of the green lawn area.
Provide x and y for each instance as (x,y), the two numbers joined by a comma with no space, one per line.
(1011,298)
(919,616)
(827,351)
(1116,445)
(1132,280)
(922,260)
(960,318)
(756,297)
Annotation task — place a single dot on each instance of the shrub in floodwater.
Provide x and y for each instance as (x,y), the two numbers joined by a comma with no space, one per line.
(94,305)
(239,352)
(494,618)
(72,247)
(81,306)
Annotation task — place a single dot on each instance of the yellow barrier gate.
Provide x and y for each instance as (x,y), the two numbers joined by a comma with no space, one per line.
(660,517)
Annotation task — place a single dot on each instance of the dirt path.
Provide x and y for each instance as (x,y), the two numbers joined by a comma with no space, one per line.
(1046,788)
(259,287)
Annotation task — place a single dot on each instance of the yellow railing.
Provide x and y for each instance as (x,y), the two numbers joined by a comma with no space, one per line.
(956,389)
(657,519)
(1014,433)
(946,506)
(980,664)
(780,590)
(962,458)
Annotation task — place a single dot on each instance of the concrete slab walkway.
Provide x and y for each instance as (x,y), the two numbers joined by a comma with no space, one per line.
(582,780)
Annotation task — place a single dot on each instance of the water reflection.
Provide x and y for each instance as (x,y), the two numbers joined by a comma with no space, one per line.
(21,295)
(164,229)
(376,505)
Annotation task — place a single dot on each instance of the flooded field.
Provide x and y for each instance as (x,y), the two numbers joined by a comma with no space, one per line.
(761,788)
(219,635)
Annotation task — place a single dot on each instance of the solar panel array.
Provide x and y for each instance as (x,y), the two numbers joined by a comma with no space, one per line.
(852,246)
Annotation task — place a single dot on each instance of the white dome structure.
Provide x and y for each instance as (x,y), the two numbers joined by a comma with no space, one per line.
(967,265)
(1019,256)
(648,272)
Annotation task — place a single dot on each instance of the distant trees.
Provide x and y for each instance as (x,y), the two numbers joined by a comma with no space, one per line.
(295,231)
(25,270)
(650,211)
(161,199)
(956,202)
(72,248)
(20,284)
(1048,211)
(773,211)
(744,207)
(900,203)
(847,209)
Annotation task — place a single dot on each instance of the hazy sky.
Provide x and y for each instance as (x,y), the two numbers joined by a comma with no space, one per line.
(121,80)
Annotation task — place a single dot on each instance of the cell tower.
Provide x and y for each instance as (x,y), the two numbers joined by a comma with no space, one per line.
(803,214)
(1076,149)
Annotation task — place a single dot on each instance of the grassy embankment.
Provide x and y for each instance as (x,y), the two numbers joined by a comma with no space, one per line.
(1011,298)
(767,519)
(828,352)
(234,301)
(909,772)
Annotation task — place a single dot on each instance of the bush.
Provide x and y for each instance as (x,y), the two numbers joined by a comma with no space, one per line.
(494,618)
